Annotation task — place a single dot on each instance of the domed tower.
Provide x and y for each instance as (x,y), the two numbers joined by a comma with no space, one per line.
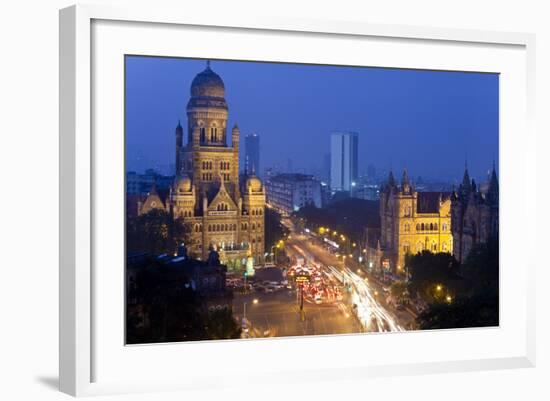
(207,109)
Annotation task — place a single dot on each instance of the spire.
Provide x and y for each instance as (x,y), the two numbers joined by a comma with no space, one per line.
(153,189)
(466,186)
(391,179)
(179,124)
(405,183)
(492,192)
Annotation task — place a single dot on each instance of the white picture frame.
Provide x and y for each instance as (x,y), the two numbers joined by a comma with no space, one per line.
(80,343)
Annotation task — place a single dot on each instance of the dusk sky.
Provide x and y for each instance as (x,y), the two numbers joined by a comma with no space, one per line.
(426,121)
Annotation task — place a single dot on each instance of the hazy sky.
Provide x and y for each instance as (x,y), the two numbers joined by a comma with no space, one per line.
(427,121)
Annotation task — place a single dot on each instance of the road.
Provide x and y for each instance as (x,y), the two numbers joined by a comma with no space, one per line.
(367,294)
(276,314)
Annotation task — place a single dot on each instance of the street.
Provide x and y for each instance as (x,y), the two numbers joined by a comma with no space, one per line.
(362,308)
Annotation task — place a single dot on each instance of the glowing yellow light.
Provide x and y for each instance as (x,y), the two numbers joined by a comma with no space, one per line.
(255,301)
(354,244)
(439,287)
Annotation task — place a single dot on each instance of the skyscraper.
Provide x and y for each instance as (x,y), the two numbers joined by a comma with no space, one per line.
(343,160)
(252,154)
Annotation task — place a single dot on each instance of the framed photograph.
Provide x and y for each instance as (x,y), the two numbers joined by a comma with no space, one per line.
(236,192)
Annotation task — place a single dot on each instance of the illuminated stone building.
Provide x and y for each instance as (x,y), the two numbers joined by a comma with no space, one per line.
(413,221)
(221,211)
(474,214)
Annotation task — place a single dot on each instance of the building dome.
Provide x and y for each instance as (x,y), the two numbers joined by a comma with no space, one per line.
(254,183)
(207,84)
(183,185)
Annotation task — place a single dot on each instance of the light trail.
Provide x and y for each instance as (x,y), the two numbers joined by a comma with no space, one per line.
(372,315)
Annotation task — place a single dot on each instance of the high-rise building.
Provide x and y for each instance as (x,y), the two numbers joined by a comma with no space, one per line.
(252,154)
(222,211)
(343,161)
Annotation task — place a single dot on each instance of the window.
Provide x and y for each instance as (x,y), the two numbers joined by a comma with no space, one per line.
(407,227)
(203,134)
(431,227)
(434,247)
(422,227)
(406,248)
(407,211)
(444,227)
(444,247)
(418,227)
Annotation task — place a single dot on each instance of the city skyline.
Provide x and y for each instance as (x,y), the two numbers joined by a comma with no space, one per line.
(214,254)
(463,104)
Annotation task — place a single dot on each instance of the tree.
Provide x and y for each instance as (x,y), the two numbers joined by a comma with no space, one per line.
(156,232)
(477,304)
(434,276)
(481,268)
(477,311)
(399,291)
(274,229)
(221,325)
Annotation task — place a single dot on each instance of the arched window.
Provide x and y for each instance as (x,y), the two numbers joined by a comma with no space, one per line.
(431,227)
(406,248)
(444,226)
(422,227)
(434,247)
(435,226)
(417,227)
(407,227)
(444,247)
(203,134)
(253,226)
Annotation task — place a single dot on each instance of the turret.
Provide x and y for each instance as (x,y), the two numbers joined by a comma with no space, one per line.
(492,192)
(405,183)
(179,136)
(466,186)
(235,134)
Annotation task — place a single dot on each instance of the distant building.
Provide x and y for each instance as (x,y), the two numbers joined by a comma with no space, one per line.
(474,214)
(141,184)
(371,172)
(367,191)
(343,161)
(289,192)
(252,153)
(413,221)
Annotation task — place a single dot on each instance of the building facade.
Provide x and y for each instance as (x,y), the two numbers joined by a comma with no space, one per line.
(222,211)
(343,161)
(252,154)
(474,214)
(287,193)
(412,221)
